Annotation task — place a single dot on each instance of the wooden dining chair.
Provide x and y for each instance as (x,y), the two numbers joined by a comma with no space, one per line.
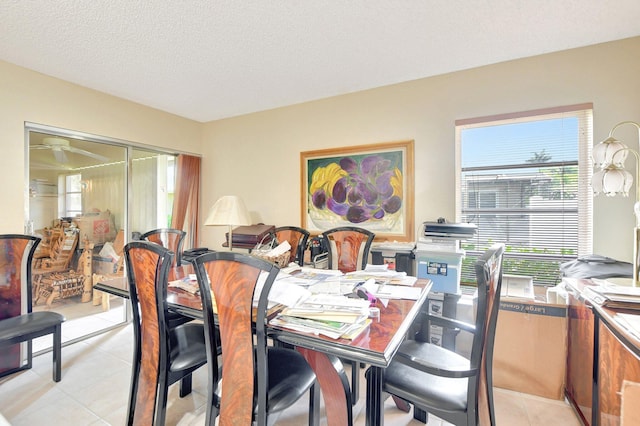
(439,381)
(18,324)
(255,381)
(348,247)
(348,251)
(162,355)
(297,238)
(172,239)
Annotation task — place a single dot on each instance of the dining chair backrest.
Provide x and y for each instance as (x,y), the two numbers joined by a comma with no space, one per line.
(438,380)
(16,257)
(172,239)
(147,269)
(163,355)
(236,286)
(297,238)
(17,323)
(233,279)
(348,247)
(489,280)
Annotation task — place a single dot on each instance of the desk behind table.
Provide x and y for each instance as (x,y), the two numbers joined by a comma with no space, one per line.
(603,363)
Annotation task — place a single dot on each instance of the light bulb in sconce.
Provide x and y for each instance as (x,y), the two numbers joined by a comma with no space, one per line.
(612,178)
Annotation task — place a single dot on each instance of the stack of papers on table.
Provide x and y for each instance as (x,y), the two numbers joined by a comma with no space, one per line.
(386,290)
(334,316)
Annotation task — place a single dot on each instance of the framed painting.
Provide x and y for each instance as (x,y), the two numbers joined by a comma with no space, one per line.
(369,186)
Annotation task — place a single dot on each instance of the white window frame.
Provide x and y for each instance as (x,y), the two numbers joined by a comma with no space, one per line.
(67,211)
(585,195)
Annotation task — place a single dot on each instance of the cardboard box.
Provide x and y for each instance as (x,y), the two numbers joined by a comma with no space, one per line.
(530,352)
(103,265)
(98,227)
(443,268)
(517,286)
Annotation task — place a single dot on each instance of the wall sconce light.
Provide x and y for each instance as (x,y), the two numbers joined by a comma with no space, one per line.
(612,178)
(231,211)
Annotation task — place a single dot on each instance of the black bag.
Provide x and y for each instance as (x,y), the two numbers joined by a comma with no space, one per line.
(595,266)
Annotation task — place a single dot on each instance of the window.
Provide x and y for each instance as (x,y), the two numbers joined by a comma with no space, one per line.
(524,181)
(73,195)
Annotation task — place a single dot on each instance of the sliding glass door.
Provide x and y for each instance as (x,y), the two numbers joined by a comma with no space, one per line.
(88,196)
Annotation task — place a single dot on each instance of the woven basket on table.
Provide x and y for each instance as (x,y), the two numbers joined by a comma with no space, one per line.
(282,260)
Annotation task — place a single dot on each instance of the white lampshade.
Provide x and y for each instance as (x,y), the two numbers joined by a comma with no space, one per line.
(228,210)
(609,151)
(611,180)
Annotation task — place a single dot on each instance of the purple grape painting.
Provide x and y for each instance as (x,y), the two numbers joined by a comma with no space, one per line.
(357,189)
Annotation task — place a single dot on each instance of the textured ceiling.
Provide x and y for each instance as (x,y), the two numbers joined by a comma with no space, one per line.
(212,59)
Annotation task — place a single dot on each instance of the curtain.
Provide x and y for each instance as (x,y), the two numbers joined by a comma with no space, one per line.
(186,198)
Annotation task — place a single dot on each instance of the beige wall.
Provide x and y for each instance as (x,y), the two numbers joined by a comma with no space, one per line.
(27,96)
(257,156)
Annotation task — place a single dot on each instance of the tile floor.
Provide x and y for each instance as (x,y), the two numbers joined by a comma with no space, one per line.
(95,386)
(96,378)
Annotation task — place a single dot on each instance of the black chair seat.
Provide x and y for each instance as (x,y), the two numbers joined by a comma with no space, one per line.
(290,376)
(188,347)
(28,326)
(426,389)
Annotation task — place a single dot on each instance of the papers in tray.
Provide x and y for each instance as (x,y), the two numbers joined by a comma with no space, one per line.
(614,296)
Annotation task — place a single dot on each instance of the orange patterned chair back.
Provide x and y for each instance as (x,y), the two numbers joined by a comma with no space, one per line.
(172,239)
(233,278)
(297,238)
(147,271)
(348,247)
(16,256)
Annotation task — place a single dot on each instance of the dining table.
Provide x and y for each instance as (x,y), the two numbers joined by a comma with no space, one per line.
(375,346)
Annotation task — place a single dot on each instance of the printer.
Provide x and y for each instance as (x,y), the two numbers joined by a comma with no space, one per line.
(438,253)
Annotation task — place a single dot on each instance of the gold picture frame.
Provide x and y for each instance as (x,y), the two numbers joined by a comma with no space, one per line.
(369,186)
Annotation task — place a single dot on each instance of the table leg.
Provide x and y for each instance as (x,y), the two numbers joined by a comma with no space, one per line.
(375,403)
(334,385)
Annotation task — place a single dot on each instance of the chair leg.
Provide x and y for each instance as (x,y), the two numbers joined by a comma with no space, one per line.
(355,381)
(57,353)
(401,404)
(314,404)
(185,386)
(420,415)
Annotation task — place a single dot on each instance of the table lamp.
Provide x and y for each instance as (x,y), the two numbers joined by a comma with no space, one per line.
(612,178)
(231,211)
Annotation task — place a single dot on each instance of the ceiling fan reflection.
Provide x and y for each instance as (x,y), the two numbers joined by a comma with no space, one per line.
(60,147)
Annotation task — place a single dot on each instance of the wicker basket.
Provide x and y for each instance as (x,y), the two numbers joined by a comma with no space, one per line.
(281,260)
